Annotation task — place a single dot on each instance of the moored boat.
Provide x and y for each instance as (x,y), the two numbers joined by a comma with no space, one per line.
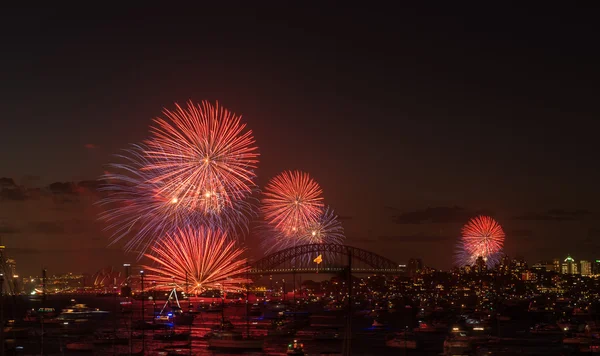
(80,346)
(295,348)
(231,340)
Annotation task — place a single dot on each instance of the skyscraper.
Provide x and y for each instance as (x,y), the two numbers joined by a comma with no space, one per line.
(415,265)
(556,264)
(569,266)
(596,267)
(586,268)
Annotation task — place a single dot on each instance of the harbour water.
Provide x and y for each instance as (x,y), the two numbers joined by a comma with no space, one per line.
(323,334)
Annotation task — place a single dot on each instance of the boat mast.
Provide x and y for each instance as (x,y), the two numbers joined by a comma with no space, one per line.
(247,316)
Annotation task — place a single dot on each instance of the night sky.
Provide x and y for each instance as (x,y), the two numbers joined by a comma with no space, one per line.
(411,119)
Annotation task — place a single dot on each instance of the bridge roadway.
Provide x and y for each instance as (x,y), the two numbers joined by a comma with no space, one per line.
(392,271)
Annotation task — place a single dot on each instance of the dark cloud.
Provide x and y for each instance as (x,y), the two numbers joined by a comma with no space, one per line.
(414,238)
(7,182)
(90,146)
(62,188)
(89,186)
(554,215)
(15,193)
(48,227)
(441,214)
(25,251)
(5,228)
(520,233)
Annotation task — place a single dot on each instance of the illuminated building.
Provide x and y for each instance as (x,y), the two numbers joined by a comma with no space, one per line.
(415,265)
(586,268)
(528,276)
(569,266)
(480,265)
(596,267)
(543,266)
(556,264)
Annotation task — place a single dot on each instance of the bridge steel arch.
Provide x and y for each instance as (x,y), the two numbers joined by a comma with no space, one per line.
(376,262)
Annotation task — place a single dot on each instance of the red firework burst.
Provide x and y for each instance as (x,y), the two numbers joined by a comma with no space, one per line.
(482,237)
(292,201)
(204,258)
(203,156)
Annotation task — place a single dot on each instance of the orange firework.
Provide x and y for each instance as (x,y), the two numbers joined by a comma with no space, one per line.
(203,156)
(292,201)
(203,258)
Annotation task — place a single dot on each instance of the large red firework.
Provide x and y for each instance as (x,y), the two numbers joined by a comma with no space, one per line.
(202,258)
(203,156)
(482,237)
(292,201)
(138,210)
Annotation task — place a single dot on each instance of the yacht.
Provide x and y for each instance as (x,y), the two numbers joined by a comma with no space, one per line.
(172,336)
(402,340)
(377,324)
(233,340)
(295,348)
(81,311)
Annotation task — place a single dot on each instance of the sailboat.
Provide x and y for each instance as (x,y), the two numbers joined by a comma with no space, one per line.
(176,316)
(235,340)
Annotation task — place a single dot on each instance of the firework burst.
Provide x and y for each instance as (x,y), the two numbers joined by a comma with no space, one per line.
(482,237)
(203,258)
(203,156)
(292,201)
(326,230)
(138,210)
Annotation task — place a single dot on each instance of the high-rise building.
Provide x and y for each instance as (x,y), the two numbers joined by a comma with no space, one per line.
(569,266)
(586,268)
(480,265)
(415,265)
(596,267)
(556,264)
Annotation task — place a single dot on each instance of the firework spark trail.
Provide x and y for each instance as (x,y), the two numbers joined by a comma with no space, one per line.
(203,156)
(326,230)
(292,201)
(206,257)
(136,210)
(482,237)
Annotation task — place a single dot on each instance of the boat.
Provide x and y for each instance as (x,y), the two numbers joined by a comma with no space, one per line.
(109,338)
(232,340)
(182,318)
(427,327)
(81,311)
(145,325)
(12,330)
(172,336)
(457,345)
(225,325)
(328,335)
(546,329)
(80,346)
(402,340)
(295,348)
(377,324)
